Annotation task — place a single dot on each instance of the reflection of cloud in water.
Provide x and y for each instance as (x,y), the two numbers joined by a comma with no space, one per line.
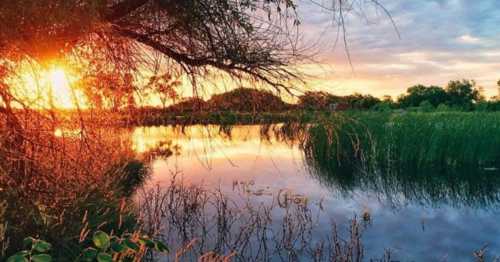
(411,227)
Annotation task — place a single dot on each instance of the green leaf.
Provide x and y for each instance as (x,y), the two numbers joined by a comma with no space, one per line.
(17,258)
(161,247)
(41,258)
(28,242)
(101,240)
(42,246)
(22,253)
(130,244)
(89,254)
(150,243)
(104,257)
(117,247)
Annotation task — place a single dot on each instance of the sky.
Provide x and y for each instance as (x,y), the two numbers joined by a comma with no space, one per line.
(432,42)
(439,40)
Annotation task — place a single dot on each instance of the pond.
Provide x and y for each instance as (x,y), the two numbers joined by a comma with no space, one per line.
(413,215)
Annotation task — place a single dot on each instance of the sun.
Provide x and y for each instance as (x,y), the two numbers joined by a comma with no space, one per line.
(48,88)
(61,93)
(58,78)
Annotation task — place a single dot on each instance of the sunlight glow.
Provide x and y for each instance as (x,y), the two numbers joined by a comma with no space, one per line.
(62,95)
(53,88)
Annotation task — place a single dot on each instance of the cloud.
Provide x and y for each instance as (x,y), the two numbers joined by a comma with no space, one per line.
(441,40)
(468,39)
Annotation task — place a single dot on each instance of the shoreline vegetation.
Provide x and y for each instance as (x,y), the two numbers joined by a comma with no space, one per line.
(252,106)
(343,144)
(345,149)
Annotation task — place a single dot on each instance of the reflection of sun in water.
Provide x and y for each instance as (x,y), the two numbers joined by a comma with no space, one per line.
(62,94)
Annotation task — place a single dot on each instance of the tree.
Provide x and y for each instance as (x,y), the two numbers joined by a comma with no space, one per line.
(360,101)
(498,91)
(165,88)
(249,38)
(189,105)
(317,100)
(415,95)
(463,94)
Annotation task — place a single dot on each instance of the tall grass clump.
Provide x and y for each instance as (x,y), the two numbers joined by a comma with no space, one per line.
(448,140)
(63,182)
(451,157)
(439,140)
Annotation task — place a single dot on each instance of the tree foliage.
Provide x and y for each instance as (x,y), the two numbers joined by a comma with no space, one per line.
(323,100)
(419,93)
(459,94)
(251,39)
(463,93)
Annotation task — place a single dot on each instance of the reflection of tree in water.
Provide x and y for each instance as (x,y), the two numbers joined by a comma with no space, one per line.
(368,153)
(352,154)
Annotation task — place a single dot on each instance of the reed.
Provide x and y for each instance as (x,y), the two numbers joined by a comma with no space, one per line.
(428,157)
(208,225)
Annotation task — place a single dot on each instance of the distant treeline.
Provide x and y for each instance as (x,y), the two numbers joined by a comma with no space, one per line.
(460,95)
(456,96)
(245,100)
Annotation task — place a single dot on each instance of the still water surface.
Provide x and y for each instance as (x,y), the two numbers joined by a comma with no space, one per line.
(416,221)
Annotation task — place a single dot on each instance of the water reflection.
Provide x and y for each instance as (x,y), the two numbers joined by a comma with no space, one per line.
(284,155)
(421,214)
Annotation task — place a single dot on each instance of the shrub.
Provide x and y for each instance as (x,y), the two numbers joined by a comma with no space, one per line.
(425,106)
(442,108)
(382,107)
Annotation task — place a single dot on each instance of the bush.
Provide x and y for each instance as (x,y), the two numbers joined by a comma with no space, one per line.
(425,106)
(102,248)
(382,107)
(482,106)
(442,108)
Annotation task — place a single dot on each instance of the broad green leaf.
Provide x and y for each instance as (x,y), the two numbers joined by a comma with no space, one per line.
(104,257)
(28,242)
(118,247)
(41,258)
(130,244)
(89,254)
(161,247)
(22,253)
(101,240)
(17,258)
(42,246)
(150,243)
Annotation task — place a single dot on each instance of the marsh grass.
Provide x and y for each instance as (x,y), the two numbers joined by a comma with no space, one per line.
(432,158)
(60,180)
(450,140)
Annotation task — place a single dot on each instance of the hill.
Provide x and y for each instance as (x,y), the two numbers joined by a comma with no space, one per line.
(247,100)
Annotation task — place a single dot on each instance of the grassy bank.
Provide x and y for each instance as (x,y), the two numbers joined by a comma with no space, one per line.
(451,139)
